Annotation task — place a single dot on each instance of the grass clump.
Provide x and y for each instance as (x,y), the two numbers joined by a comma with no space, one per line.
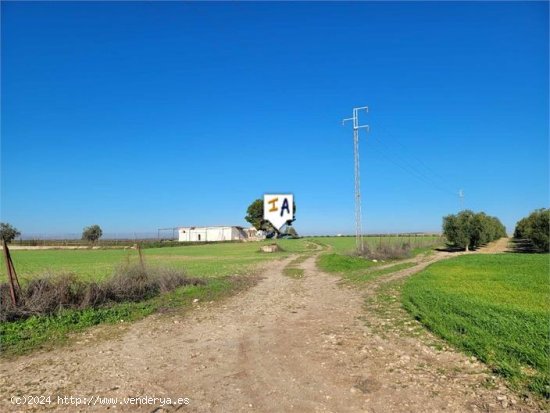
(492,306)
(343,263)
(293,272)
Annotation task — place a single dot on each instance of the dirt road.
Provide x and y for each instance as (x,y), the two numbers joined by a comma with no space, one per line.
(285,345)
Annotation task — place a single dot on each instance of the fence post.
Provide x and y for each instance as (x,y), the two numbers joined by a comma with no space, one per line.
(141,263)
(15,288)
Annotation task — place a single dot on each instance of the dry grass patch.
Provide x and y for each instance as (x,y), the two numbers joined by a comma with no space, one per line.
(51,293)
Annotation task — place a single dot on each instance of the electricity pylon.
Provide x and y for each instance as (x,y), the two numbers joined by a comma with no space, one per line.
(358,215)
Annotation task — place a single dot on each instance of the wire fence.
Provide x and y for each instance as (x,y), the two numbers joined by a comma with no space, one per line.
(171,237)
(75,239)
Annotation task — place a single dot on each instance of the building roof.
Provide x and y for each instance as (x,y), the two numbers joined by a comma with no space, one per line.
(213,226)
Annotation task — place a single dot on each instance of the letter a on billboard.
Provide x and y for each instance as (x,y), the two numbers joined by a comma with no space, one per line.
(278,209)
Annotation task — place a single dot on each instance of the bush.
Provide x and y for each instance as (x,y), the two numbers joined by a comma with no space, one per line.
(468,229)
(536,228)
(51,293)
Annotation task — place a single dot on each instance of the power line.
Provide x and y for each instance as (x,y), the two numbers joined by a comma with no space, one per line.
(418,160)
(412,170)
(414,161)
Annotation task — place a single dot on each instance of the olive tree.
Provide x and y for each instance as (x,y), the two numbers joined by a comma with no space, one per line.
(8,232)
(468,229)
(92,233)
(536,228)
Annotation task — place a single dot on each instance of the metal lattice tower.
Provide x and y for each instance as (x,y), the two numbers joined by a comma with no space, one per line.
(357,172)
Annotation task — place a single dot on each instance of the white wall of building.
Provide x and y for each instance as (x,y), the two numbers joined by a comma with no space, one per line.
(209,234)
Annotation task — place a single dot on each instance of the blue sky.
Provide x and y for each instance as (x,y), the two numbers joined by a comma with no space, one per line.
(143,115)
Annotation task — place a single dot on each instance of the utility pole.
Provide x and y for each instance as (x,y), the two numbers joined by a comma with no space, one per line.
(461,196)
(358,225)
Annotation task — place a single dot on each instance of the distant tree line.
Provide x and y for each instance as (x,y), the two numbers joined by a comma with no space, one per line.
(536,228)
(469,230)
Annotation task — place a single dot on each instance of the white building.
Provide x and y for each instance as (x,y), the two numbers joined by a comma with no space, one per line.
(210,234)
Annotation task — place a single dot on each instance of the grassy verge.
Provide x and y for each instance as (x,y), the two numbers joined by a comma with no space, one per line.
(374,273)
(36,332)
(494,307)
(357,269)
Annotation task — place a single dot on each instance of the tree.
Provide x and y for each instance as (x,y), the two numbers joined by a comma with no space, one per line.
(255,214)
(522,229)
(92,233)
(536,228)
(457,229)
(539,229)
(8,232)
(468,229)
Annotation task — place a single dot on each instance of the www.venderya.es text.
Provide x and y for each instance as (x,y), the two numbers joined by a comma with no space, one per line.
(99,400)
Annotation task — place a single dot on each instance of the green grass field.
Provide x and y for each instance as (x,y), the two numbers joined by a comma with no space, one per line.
(495,307)
(209,260)
(346,245)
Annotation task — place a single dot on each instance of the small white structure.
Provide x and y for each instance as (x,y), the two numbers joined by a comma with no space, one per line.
(211,234)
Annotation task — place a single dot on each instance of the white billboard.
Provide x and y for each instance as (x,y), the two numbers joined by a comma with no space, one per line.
(278,209)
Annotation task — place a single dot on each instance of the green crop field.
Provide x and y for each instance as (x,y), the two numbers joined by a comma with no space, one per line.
(346,245)
(209,260)
(495,307)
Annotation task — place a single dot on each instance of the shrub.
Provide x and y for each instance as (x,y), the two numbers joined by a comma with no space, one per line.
(50,293)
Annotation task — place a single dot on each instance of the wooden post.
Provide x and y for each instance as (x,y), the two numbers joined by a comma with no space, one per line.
(15,288)
(141,262)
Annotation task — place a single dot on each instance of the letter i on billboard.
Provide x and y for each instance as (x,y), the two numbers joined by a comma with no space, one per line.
(278,208)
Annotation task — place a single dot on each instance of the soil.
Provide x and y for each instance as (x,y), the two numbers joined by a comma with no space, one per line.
(313,344)
(496,247)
